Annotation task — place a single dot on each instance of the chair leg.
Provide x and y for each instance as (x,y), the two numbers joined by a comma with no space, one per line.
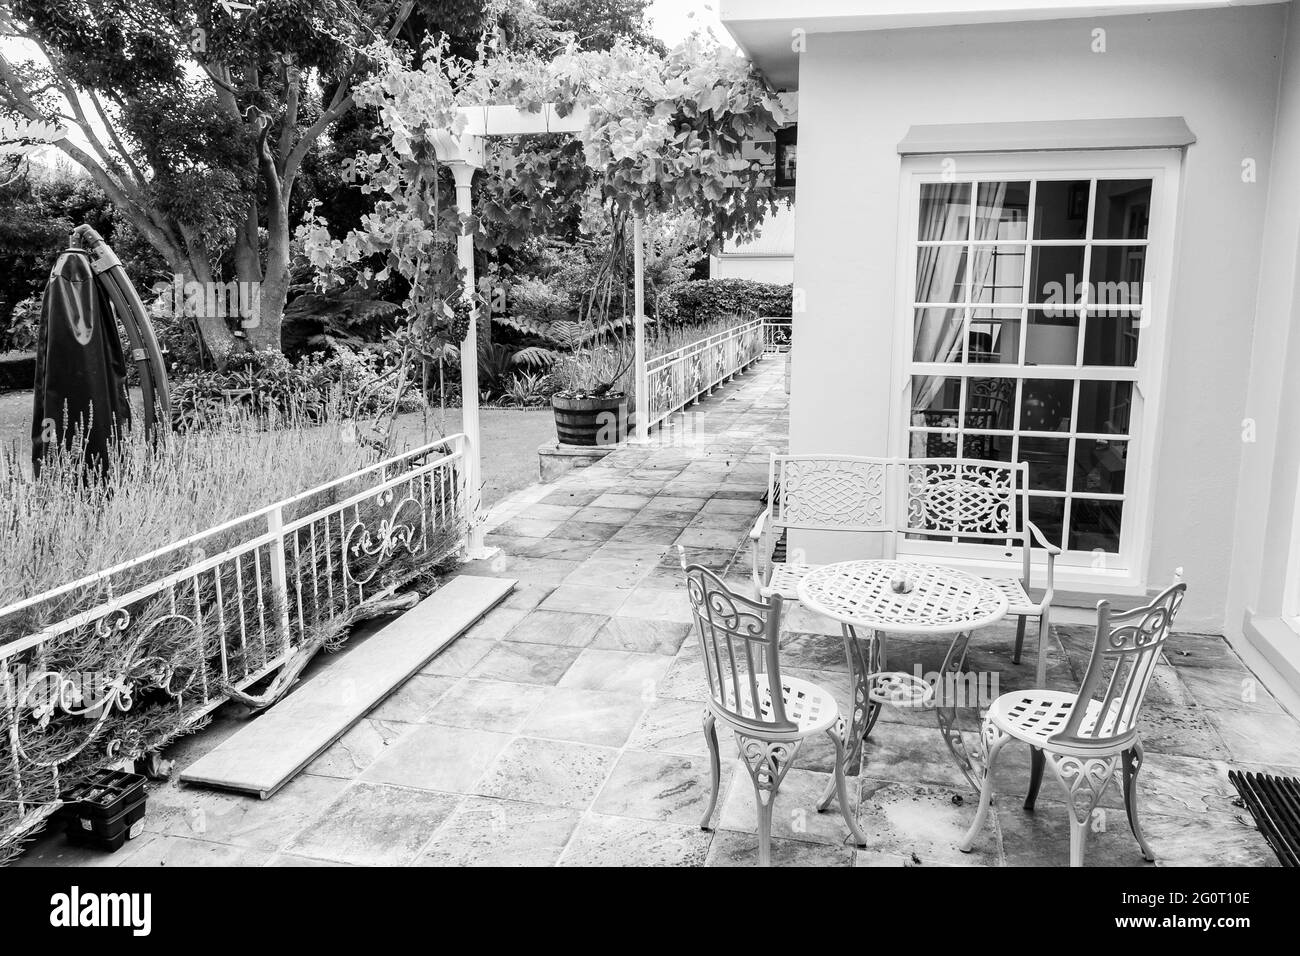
(992,740)
(764,825)
(1036,763)
(715,766)
(767,762)
(1044,640)
(839,737)
(1078,841)
(1020,639)
(1132,764)
(1085,780)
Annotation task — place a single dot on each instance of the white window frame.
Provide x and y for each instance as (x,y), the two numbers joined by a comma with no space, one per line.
(1163,167)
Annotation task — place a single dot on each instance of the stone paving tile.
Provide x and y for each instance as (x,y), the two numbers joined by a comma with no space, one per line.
(552,772)
(564,549)
(794,815)
(374,825)
(641,635)
(489,832)
(437,757)
(360,747)
(526,663)
(730,848)
(561,627)
(923,824)
(658,604)
(456,659)
(290,860)
(1224,690)
(659,786)
(585,716)
(1042,838)
(238,820)
(621,841)
(1256,736)
(618,672)
(585,599)
(676,726)
(494,705)
(410,702)
(181,852)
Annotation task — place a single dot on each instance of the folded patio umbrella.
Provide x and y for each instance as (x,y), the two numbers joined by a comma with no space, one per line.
(80,391)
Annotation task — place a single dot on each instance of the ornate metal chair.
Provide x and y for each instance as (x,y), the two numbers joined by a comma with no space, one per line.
(1083,744)
(817,493)
(966,501)
(770,714)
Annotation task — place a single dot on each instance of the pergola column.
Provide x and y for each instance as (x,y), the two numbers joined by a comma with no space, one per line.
(642,391)
(464,155)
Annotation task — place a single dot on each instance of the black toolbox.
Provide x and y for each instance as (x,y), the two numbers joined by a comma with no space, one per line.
(106,810)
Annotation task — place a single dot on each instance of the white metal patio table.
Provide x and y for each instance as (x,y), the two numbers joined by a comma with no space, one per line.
(871,598)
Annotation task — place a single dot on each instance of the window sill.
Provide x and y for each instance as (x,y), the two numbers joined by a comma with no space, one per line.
(1087,585)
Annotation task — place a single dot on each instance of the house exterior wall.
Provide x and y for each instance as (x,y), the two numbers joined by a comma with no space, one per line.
(859,95)
(1264,565)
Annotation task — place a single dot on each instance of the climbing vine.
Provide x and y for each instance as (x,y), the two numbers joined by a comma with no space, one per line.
(664,135)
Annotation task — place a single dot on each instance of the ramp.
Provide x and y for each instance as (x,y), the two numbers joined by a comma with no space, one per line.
(268,753)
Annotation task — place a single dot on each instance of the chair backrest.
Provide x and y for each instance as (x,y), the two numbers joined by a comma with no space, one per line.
(738,641)
(1124,657)
(831,493)
(964,498)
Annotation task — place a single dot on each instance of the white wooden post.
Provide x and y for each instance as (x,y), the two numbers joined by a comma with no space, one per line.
(472,465)
(279,570)
(642,396)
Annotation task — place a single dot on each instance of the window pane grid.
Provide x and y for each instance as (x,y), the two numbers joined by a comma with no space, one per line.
(1061,321)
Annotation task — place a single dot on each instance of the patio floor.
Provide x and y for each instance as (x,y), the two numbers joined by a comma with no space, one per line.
(565,726)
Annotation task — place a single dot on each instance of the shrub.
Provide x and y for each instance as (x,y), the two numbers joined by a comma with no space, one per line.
(24,327)
(705,300)
(366,382)
(62,525)
(534,300)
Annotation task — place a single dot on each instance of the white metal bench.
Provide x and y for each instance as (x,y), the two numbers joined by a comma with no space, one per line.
(960,500)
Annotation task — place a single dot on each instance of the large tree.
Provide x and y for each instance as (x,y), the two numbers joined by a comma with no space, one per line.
(195,117)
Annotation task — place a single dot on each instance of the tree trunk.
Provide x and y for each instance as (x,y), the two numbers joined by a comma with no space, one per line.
(275,284)
(215,331)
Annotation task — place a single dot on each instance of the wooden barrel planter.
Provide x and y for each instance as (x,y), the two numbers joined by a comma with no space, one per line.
(590,421)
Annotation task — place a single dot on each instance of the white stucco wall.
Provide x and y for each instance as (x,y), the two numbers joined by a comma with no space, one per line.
(1270,466)
(859,94)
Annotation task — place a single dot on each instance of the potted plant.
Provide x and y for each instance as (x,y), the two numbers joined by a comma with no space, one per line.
(591,406)
(591,400)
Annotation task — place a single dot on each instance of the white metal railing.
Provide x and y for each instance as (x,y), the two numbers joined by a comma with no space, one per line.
(190,623)
(677,378)
(776,333)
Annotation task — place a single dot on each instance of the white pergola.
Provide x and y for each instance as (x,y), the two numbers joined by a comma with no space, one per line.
(464,154)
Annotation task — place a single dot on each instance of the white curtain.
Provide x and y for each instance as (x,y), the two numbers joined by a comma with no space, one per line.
(941,278)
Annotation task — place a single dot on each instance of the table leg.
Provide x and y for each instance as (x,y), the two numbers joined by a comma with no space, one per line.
(949,714)
(864,710)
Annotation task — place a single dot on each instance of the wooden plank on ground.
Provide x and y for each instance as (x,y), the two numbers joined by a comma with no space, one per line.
(265,755)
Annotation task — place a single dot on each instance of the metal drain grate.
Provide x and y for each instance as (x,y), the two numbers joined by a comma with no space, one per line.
(1274,802)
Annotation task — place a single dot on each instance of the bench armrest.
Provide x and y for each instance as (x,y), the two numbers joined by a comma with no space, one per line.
(760,546)
(1052,551)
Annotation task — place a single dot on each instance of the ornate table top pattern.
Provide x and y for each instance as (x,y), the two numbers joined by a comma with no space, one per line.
(941,601)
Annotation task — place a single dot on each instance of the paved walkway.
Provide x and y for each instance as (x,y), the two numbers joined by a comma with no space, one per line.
(565,727)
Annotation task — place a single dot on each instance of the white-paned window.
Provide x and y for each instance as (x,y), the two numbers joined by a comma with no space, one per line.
(1034,324)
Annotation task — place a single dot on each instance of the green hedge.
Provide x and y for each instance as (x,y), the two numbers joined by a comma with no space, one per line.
(705,300)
